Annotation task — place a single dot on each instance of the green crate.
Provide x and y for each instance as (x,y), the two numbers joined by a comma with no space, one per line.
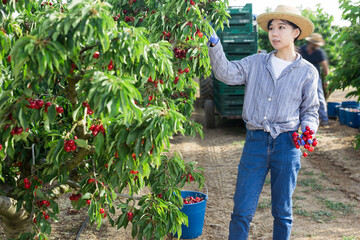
(240,9)
(222,88)
(229,110)
(236,56)
(238,19)
(236,29)
(241,48)
(237,99)
(239,38)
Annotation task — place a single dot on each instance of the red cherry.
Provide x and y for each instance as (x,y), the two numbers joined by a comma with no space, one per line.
(200,34)
(39,103)
(192,2)
(46,217)
(307,128)
(91,180)
(48,104)
(34,220)
(0,146)
(89,111)
(311,148)
(71,143)
(134,156)
(130,216)
(96,54)
(88,202)
(186,70)
(8,57)
(60,109)
(116,154)
(86,104)
(26,180)
(73,148)
(27,185)
(18,130)
(67,148)
(305,154)
(102,210)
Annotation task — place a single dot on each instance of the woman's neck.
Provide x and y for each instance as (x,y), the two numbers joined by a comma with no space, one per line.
(287,54)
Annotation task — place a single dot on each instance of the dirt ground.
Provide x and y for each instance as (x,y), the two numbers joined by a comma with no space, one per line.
(326,199)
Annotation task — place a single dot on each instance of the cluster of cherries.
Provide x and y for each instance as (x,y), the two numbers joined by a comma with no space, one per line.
(27,183)
(35,104)
(70,146)
(180,53)
(305,139)
(38,103)
(150,80)
(102,211)
(42,203)
(96,129)
(191,200)
(89,110)
(189,178)
(75,197)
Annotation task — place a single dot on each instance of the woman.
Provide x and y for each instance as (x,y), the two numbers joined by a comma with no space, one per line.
(281,95)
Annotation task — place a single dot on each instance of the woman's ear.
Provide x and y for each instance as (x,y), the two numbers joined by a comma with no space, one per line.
(296,33)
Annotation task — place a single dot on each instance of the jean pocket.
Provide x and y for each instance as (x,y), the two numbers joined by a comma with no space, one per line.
(291,139)
(248,135)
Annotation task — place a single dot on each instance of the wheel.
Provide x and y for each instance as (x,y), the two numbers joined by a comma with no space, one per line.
(209,113)
(206,89)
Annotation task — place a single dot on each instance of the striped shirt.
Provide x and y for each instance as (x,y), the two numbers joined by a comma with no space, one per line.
(275,105)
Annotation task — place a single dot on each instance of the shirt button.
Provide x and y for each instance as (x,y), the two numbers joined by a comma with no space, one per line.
(269,98)
(265,117)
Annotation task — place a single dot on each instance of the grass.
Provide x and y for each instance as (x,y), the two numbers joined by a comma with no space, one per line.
(311,182)
(349,238)
(337,206)
(240,143)
(265,203)
(319,216)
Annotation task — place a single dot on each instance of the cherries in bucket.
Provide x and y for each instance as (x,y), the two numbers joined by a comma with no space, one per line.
(305,139)
(191,200)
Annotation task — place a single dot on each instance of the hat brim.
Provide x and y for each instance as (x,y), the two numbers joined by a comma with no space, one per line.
(305,24)
(317,43)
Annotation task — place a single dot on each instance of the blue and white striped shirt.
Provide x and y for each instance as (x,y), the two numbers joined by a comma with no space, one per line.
(275,105)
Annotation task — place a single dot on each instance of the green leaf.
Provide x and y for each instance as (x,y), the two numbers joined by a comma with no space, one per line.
(52,113)
(81,143)
(99,143)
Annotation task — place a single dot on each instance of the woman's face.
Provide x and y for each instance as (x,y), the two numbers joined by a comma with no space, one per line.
(282,34)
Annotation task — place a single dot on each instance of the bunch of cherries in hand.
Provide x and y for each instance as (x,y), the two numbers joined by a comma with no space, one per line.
(305,139)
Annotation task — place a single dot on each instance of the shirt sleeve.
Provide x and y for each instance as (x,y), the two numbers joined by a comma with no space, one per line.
(309,107)
(229,72)
(323,55)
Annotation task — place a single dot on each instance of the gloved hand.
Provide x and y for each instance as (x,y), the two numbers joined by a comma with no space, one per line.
(214,37)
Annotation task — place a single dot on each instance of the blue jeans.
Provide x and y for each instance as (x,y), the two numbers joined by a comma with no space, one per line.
(323,115)
(263,153)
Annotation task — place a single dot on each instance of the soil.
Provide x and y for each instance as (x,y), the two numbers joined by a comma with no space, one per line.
(326,200)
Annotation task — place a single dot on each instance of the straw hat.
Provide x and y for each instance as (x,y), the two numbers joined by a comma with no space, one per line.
(290,14)
(316,39)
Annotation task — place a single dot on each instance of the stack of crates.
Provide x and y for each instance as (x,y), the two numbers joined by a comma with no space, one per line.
(238,41)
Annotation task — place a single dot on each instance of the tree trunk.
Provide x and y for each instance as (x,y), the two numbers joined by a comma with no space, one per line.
(14,223)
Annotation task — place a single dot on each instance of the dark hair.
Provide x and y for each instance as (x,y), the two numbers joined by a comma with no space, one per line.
(288,22)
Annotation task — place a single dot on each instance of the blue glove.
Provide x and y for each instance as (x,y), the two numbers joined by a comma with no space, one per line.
(214,37)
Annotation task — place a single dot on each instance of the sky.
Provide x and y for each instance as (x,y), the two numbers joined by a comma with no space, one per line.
(329,6)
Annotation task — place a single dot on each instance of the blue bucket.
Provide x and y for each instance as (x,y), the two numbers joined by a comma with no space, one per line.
(342,116)
(350,104)
(337,110)
(331,109)
(352,118)
(195,213)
